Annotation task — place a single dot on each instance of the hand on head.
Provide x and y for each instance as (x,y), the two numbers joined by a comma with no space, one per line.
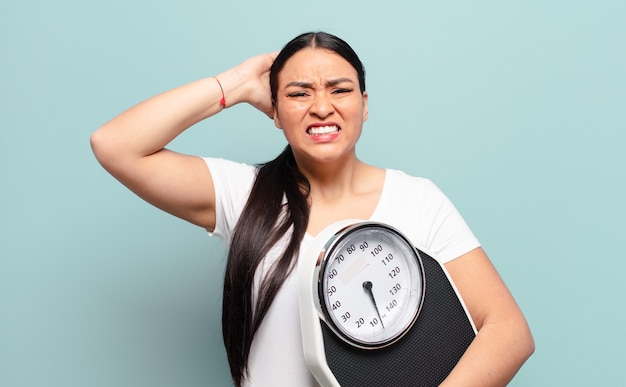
(255,72)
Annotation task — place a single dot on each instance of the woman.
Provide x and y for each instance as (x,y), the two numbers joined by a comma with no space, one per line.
(314,90)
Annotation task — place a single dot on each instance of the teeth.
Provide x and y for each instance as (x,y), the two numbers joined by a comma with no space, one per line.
(318,130)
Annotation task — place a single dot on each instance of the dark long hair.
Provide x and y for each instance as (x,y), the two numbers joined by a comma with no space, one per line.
(266,218)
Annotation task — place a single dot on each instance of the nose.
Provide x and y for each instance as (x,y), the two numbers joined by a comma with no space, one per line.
(322,106)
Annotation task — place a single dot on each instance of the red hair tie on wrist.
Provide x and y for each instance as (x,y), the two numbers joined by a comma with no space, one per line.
(223,100)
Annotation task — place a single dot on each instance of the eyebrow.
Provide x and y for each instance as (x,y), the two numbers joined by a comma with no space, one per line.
(309,85)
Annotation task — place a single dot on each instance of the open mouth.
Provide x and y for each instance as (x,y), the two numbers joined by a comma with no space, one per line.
(323,130)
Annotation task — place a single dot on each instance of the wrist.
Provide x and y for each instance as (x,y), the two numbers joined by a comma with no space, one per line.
(231,87)
(223,99)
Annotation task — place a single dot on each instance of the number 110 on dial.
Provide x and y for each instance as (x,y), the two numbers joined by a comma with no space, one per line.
(371,285)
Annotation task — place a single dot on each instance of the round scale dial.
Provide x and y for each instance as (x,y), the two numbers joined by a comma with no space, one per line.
(370,284)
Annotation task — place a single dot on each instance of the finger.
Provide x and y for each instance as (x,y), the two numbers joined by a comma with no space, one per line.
(272,56)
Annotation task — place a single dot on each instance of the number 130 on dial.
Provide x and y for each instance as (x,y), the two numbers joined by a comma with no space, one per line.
(370,285)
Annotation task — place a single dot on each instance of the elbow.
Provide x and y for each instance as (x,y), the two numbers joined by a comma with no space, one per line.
(530,344)
(103,148)
(525,342)
(96,142)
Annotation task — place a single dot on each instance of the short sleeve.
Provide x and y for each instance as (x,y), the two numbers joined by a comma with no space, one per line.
(449,235)
(232,182)
(418,208)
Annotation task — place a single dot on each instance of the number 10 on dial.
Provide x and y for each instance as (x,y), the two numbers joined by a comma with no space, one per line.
(370,285)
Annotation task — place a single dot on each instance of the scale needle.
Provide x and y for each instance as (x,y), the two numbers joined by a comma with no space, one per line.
(367,285)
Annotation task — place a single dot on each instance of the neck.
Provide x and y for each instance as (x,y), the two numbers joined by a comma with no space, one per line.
(333,176)
(348,190)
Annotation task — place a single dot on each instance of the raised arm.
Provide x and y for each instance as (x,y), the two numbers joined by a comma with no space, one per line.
(504,341)
(132,145)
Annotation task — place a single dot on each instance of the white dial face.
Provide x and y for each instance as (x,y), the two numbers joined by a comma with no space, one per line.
(371,285)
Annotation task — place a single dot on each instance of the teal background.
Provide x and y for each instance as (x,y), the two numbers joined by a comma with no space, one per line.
(516,109)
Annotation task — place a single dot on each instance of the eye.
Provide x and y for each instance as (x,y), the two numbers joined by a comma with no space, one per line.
(342,91)
(298,94)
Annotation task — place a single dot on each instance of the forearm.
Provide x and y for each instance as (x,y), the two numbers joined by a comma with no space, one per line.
(504,340)
(149,126)
(494,357)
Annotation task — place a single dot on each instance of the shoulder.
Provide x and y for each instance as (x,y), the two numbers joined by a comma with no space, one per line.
(402,184)
(223,165)
(232,182)
(231,177)
(417,207)
(230,173)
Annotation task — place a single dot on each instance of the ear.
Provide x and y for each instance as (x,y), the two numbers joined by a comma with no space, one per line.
(365,109)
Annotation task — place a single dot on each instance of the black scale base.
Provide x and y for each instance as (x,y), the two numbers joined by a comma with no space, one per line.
(424,357)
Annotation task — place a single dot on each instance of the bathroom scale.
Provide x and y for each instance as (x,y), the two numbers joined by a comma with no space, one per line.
(377,311)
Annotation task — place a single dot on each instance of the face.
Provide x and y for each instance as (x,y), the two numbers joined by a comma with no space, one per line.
(319,105)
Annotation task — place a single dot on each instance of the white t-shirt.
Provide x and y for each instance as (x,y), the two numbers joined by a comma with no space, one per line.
(413,205)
